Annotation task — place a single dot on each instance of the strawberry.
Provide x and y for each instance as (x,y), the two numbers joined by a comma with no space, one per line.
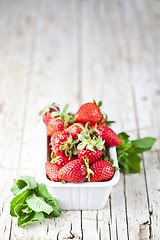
(61,159)
(103,171)
(93,149)
(55,125)
(88,112)
(52,171)
(74,130)
(67,117)
(46,112)
(74,171)
(108,135)
(57,139)
(93,156)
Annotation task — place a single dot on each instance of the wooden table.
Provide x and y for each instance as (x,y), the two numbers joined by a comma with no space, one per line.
(71,52)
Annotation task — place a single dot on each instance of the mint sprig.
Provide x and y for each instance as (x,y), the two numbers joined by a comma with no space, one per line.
(128,153)
(32,201)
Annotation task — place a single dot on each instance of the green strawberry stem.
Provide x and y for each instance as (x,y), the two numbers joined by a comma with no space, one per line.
(89,171)
(90,143)
(67,117)
(47,108)
(69,147)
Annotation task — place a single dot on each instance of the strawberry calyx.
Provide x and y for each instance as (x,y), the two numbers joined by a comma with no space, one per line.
(54,158)
(69,146)
(89,171)
(48,108)
(90,144)
(105,121)
(86,132)
(99,103)
(67,117)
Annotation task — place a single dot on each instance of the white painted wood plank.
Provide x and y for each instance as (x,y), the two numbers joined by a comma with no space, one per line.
(141,66)
(6,178)
(14,56)
(114,90)
(53,78)
(109,61)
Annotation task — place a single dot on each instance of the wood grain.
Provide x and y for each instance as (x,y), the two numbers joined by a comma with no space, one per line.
(71,52)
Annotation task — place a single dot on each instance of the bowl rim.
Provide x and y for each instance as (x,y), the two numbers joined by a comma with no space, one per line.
(110,183)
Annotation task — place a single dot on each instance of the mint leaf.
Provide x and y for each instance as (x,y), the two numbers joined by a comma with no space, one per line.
(43,192)
(15,189)
(23,182)
(30,218)
(32,201)
(38,204)
(128,152)
(130,163)
(26,210)
(18,199)
(143,144)
(19,209)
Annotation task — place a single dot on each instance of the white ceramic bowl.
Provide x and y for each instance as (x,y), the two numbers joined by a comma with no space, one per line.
(83,196)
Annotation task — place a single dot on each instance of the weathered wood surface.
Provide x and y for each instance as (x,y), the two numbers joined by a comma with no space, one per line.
(71,52)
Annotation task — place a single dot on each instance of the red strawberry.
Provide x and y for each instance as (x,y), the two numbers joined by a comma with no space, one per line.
(55,125)
(74,171)
(46,113)
(57,139)
(103,171)
(88,112)
(74,130)
(52,171)
(93,156)
(108,135)
(61,159)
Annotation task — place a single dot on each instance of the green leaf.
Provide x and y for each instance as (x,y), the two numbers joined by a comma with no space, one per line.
(47,108)
(81,137)
(109,123)
(81,145)
(37,204)
(90,147)
(43,192)
(32,201)
(26,210)
(28,181)
(30,218)
(23,182)
(15,189)
(116,168)
(75,151)
(89,171)
(54,114)
(110,160)
(127,152)
(79,125)
(19,209)
(66,108)
(130,163)
(123,136)
(18,199)
(100,103)
(143,144)
(62,181)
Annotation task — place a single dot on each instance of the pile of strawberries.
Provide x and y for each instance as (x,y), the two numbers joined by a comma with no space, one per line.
(78,144)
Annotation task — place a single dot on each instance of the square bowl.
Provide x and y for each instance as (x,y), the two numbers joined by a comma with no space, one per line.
(83,196)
